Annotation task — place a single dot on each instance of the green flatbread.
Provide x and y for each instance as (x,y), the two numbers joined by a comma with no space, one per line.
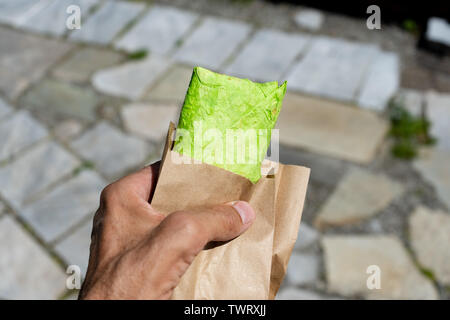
(226,121)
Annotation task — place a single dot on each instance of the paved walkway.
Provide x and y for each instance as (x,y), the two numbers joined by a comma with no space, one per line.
(79,109)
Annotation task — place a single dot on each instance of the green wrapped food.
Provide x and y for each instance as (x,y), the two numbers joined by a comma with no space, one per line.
(227,122)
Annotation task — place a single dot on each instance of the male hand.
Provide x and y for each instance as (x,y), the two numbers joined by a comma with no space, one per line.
(138,253)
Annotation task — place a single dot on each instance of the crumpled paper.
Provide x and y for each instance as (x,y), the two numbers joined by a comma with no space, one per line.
(216,107)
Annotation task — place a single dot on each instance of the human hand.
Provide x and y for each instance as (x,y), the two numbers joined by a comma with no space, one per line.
(139,253)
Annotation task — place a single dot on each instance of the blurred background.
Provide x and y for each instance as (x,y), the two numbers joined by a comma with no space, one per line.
(87,88)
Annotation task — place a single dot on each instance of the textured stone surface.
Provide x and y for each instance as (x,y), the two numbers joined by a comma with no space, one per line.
(106,22)
(149,120)
(303,269)
(51,19)
(158,30)
(172,86)
(438,112)
(307,236)
(267,55)
(68,129)
(34,171)
(332,68)
(382,81)
(212,42)
(412,100)
(64,206)
(16,12)
(433,164)
(430,236)
(52,101)
(358,196)
(130,80)
(309,19)
(112,151)
(83,63)
(348,257)
(297,294)
(19,132)
(5,109)
(75,248)
(24,59)
(26,270)
(330,128)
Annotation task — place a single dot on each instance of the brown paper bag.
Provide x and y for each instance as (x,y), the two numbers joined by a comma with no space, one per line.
(253,265)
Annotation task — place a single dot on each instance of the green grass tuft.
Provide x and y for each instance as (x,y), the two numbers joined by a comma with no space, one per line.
(138,55)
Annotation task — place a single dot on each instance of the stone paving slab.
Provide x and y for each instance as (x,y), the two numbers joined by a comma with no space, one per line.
(267,55)
(307,236)
(14,12)
(83,63)
(212,42)
(132,79)
(332,68)
(430,236)
(19,132)
(359,196)
(438,112)
(25,58)
(65,206)
(52,101)
(348,257)
(433,164)
(74,249)
(303,269)
(26,270)
(382,81)
(412,100)
(112,151)
(34,171)
(158,31)
(149,121)
(5,109)
(107,21)
(51,19)
(330,128)
(297,294)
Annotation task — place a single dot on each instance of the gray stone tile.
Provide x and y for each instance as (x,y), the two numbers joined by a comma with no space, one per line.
(132,79)
(412,100)
(172,86)
(34,171)
(5,109)
(19,132)
(112,151)
(358,196)
(158,31)
(382,81)
(430,235)
(106,22)
(52,101)
(149,121)
(74,249)
(307,236)
(212,42)
(15,12)
(332,68)
(24,59)
(330,128)
(433,164)
(26,270)
(67,130)
(303,269)
(51,19)
(267,55)
(297,294)
(309,19)
(438,112)
(348,257)
(65,206)
(82,64)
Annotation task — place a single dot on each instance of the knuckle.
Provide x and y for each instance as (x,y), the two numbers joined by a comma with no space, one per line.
(109,193)
(189,230)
